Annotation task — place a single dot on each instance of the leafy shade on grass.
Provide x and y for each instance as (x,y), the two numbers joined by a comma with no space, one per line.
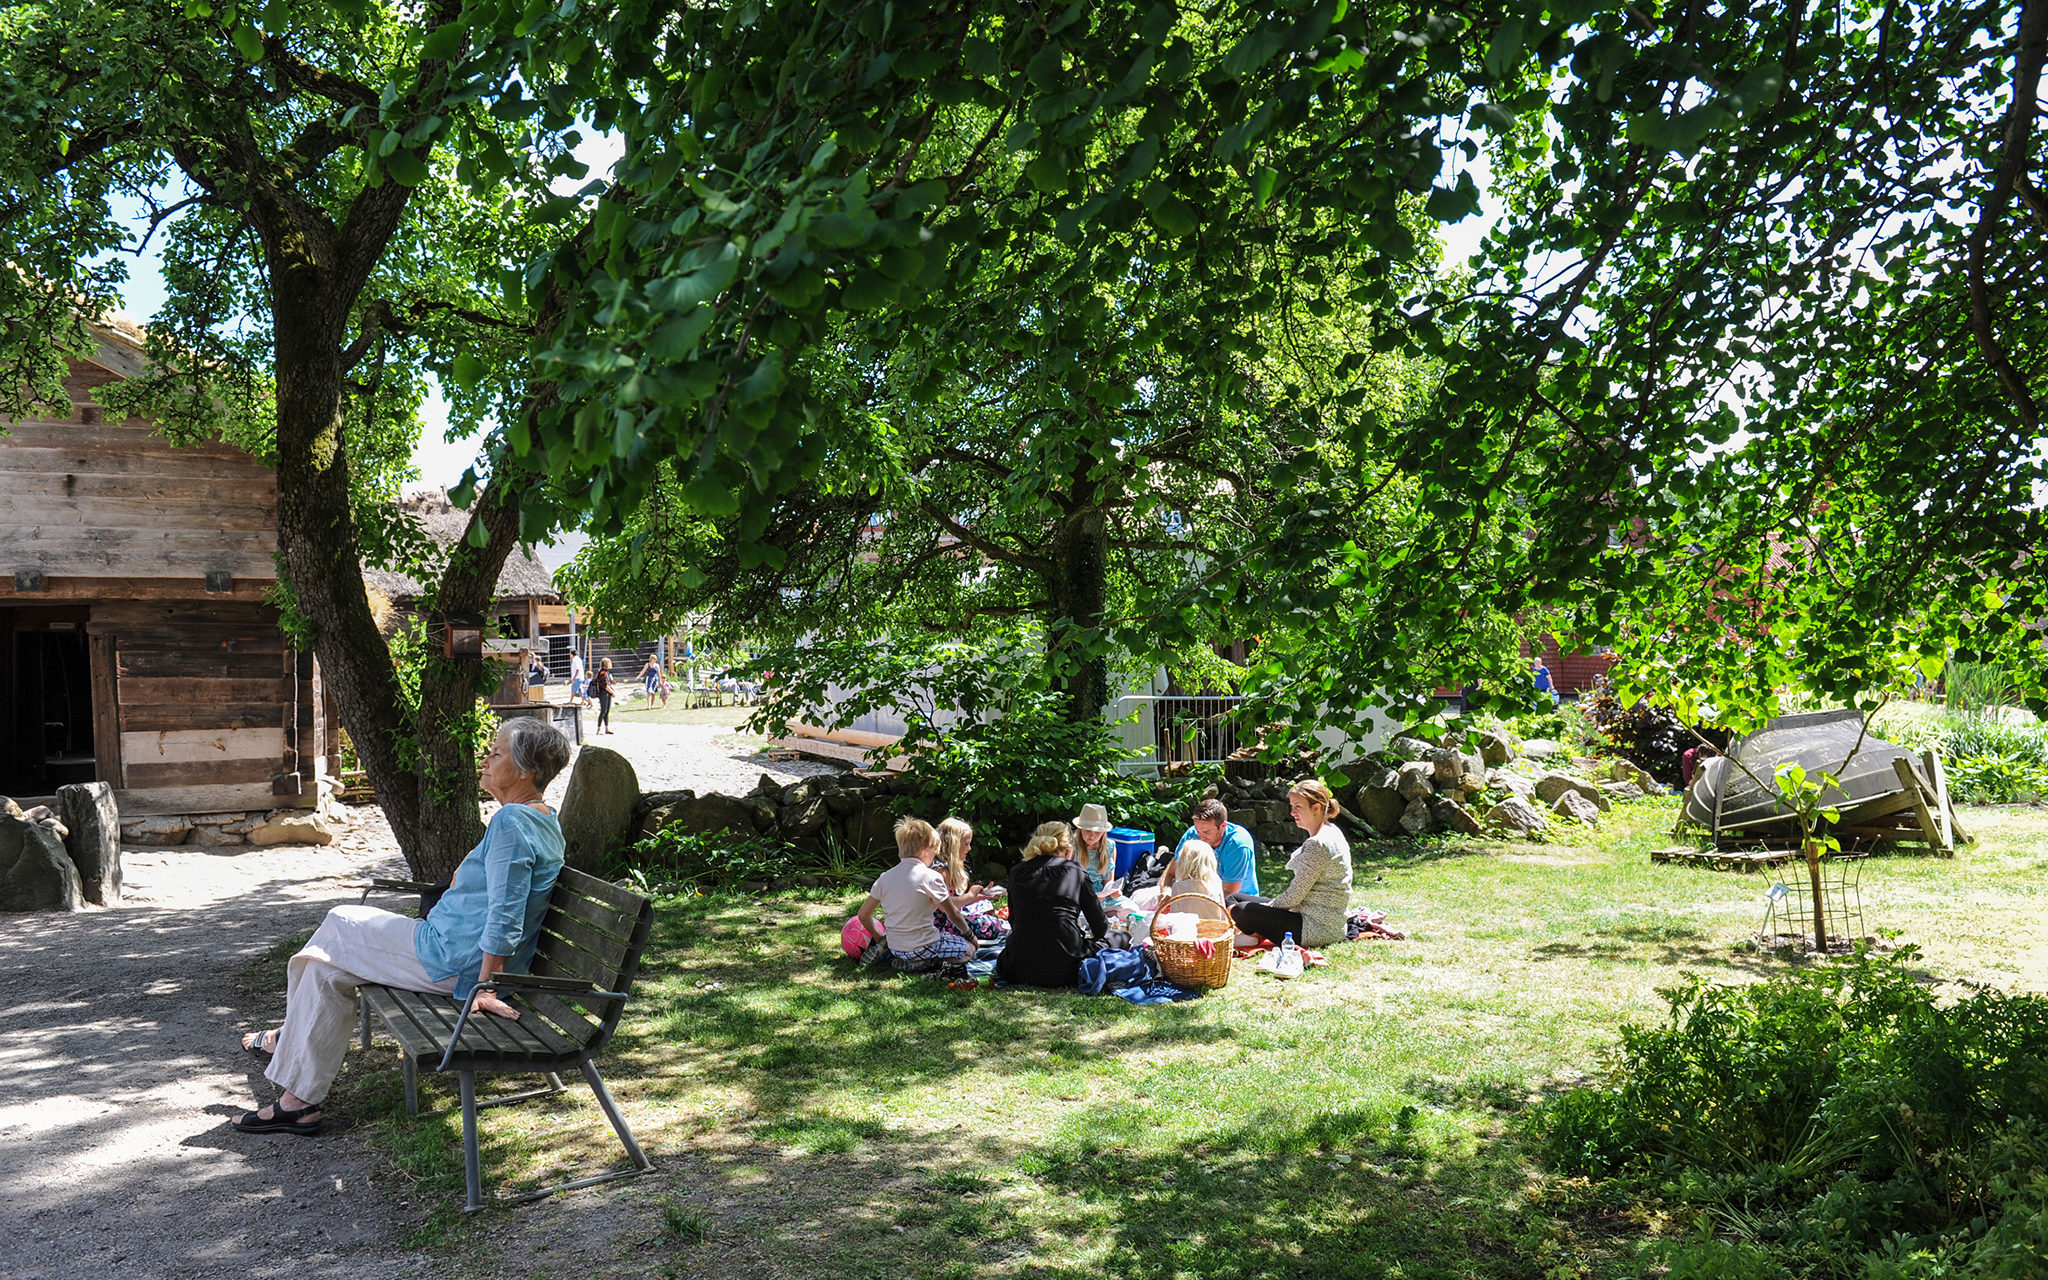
(1354,1123)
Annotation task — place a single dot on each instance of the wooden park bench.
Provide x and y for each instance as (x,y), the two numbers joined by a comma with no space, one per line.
(583,968)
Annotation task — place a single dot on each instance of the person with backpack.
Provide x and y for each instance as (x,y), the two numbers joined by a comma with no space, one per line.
(602,688)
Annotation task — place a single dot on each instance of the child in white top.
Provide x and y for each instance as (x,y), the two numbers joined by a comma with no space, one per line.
(907,894)
(1192,871)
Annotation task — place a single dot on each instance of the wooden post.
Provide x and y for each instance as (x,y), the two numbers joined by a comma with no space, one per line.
(1951,832)
(106,710)
(1910,780)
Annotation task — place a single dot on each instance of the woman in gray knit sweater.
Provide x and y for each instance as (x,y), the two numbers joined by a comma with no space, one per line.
(1313,905)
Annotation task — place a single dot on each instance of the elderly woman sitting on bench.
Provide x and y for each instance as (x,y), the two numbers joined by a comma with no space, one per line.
(484,924)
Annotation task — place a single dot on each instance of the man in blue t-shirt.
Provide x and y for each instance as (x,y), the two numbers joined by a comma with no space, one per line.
(1235,863)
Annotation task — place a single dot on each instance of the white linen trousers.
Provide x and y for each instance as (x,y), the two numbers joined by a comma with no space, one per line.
(353,945)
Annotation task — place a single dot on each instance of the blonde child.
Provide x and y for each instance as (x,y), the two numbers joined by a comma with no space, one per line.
(956,842)
(908,894)
(1193,871)
(1094,850)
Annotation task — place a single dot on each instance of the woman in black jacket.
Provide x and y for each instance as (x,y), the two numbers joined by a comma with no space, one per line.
(1056,920)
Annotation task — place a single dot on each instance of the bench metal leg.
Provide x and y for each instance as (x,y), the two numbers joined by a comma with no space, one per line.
(412,1084)
(471,1160)
(641,1163)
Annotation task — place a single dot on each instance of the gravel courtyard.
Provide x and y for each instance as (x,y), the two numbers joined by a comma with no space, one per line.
(119,1055)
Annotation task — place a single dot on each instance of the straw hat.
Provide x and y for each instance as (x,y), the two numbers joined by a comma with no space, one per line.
(1093,818)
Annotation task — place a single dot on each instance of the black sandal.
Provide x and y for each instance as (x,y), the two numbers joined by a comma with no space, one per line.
(280,1121)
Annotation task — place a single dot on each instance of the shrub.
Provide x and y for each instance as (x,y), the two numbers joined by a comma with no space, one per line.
(674,857)
(1650,736)
(1839,1112)
(1997,780)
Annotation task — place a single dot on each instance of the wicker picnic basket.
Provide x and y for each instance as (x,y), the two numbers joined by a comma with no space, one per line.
(1183,962)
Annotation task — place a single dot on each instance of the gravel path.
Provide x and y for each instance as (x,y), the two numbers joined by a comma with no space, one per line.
(119,1069)
(119,1065)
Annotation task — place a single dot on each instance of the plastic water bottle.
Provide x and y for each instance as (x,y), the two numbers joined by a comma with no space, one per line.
(1290,958)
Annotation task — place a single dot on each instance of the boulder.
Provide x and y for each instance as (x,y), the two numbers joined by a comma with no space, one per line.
(1571,804)
(1540,748)
(1509,780)
(1415,780)
(1405,748)
(798,792)
(1449,765)
(36,874)
(163,828)
(45,816)
(1416,818)
(1495,748)
(761,812)
(1622,790)
(1381,806)
(1449,815)
(219,837)
(841,803)
(597,809)
(95,840)
(1552,785)
(293,826)
(1282,835)
(769,787)
(874,831)
(803,818)
(1516,816)
(703,814)
(1627,771)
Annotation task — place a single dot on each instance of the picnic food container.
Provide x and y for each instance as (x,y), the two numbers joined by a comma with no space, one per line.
(1130,844)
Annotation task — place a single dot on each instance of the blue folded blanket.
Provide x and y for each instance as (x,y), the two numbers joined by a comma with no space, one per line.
(1129,975)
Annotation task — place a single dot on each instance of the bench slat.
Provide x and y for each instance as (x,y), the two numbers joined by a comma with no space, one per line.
(423,1023)
(567,962)
(610,950)
(623,902)
(570,1022)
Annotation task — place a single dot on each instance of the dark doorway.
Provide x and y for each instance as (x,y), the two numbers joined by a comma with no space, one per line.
(46,722)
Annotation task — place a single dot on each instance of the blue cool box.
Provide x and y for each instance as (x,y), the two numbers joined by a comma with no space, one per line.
(1130,844)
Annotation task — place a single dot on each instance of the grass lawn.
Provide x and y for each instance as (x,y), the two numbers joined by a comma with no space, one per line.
(808,1120)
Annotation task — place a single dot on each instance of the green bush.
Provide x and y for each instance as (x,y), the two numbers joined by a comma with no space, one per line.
(1837,1114)
(1996,780)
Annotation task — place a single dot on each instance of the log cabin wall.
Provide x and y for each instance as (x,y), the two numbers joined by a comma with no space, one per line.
(198,704)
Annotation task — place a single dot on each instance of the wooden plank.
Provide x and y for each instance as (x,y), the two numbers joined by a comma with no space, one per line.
(22,458)
(106,709)
(560,931)
(575,1024)
(567,962)
(584,885)
(175,616)
(200,773)
(275,691)
(1910,781)
(127,435)
(75,514)
(1943,810)
(192,560)
(169,746)
(145,489)
(159,716)
(140,802)
(97,587)
(144,539)
(203,665)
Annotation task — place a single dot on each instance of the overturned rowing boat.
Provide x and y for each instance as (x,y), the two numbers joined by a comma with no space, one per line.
(1883,792)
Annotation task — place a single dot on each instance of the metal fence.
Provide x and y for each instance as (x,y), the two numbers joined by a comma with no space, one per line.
(1162,730)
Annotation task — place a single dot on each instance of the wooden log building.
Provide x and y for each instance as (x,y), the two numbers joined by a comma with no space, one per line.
(135,644)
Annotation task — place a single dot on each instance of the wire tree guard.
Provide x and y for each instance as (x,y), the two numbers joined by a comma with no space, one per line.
(1788,908)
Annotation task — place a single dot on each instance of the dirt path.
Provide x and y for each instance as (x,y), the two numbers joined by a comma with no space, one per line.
(119,1070)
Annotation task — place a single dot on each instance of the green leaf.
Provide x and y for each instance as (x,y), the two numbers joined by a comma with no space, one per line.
(406,168)
(468,371)
(444,41)
(249,42)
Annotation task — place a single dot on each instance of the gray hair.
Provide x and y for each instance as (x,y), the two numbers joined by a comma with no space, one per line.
(537,748)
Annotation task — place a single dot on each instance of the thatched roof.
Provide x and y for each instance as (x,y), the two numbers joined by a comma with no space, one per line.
(444,522)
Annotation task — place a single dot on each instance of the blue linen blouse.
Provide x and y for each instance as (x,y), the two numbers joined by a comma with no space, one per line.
(496,901)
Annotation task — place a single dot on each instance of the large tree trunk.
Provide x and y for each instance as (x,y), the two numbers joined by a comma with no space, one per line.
(430,801)
(316,531)
(1079,586)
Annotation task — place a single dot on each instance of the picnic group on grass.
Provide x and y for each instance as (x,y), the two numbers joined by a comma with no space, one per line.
(1065,906)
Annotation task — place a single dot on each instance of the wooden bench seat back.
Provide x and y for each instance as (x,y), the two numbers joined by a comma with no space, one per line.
(593,931)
